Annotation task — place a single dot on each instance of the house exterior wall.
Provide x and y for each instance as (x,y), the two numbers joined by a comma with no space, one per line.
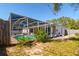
(60,30)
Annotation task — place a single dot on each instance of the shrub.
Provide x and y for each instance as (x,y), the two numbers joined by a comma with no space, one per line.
(23,41)
(40,35)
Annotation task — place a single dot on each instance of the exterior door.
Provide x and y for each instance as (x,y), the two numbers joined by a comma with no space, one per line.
(65,32)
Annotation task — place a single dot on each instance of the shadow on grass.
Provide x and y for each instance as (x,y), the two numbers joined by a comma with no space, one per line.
(52,40)
(74,38)
(11,45)
(3,51)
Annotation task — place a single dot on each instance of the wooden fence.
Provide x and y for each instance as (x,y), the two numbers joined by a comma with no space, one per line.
(4,33)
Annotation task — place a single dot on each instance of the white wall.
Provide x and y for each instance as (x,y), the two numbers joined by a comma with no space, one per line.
(72,31)
(60,29)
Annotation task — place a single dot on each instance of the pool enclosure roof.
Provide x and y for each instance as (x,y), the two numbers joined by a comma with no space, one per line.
(20,22)
(23,21)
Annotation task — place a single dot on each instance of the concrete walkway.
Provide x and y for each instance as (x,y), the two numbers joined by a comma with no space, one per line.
(13,40)
(63,37)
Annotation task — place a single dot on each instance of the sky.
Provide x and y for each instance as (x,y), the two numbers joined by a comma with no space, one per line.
(39,11)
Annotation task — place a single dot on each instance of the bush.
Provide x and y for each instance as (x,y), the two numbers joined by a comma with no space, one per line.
(23,41)
(40,35)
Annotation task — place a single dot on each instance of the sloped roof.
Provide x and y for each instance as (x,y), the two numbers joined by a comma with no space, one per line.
(19,20)
(14,16)
(17,16)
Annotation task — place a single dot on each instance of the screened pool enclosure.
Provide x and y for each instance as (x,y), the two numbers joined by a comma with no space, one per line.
(25,25)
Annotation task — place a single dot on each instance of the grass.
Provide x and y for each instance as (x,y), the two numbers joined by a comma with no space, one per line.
(69,47)
(63,48)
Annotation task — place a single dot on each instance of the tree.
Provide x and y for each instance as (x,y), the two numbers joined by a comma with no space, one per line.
(57,6)
(67,22)
(1,20)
